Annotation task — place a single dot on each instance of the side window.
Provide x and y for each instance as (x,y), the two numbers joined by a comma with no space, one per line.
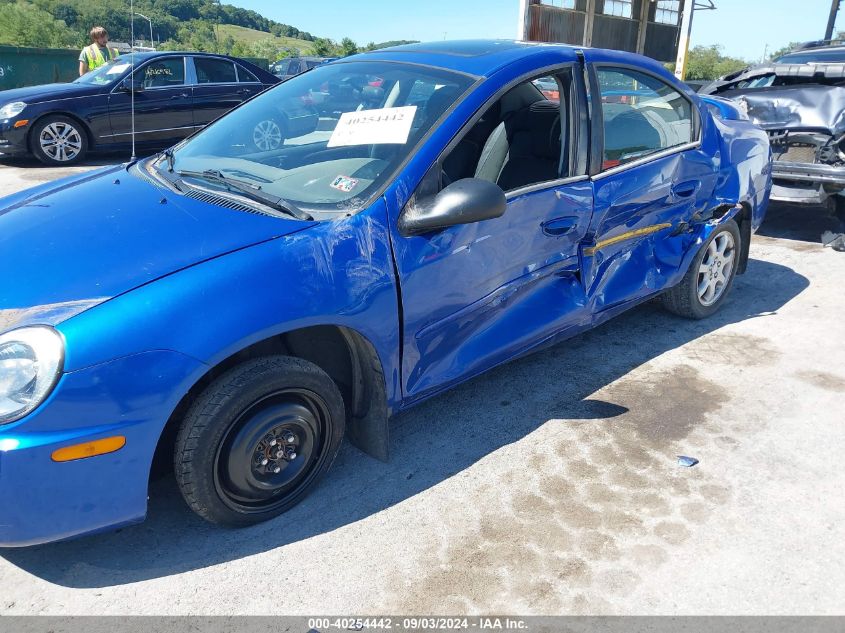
(519,140)
(245,76)
(164,72)
(293,69)
(214,71)
(642,115)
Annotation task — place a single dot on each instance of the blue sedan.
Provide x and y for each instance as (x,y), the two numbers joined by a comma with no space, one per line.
(426,214)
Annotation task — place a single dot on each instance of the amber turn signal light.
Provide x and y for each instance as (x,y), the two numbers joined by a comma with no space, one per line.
(21,123)
(89,449)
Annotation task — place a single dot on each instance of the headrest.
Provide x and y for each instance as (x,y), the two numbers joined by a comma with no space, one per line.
(541,121)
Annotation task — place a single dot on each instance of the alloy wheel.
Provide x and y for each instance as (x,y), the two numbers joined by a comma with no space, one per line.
(60,141)
(716,268)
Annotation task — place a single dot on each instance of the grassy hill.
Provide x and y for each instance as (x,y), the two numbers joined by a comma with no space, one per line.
(249,36)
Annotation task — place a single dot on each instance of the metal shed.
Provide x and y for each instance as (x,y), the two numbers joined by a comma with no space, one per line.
(649,27)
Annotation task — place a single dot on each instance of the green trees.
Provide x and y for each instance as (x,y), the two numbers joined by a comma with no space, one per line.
(348,47)
(180,23)
(323,47)
(707,63)
(270,49)
(24,24)
(177,25)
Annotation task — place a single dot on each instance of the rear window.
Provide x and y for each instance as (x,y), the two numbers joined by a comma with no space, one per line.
(214,71)
(835,56)
(642,116)
(246,76)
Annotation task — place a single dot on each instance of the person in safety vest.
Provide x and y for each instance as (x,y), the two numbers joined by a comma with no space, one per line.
(98,52)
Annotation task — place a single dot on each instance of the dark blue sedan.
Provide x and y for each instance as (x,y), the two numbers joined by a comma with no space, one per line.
(426,214)
(174,95)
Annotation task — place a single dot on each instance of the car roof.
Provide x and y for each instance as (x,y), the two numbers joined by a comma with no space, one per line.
(145,55)
(485,57)
(263,75)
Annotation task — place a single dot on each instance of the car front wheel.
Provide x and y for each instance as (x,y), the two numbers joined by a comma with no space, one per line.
(58,140)
(257,440)
(710,276)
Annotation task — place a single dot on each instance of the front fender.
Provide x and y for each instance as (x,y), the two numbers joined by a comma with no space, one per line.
(338,272)
(131,397)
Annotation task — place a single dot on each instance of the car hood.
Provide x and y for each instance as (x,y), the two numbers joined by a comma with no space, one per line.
(48,92)
(70,245)
(807,107)
(807,96)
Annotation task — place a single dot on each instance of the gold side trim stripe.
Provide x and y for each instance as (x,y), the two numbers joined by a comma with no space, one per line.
(646,230)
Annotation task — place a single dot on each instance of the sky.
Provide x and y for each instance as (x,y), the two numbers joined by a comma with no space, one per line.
(743,27)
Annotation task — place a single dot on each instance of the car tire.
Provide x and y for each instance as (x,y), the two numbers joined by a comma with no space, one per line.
(710,276)
(59,141)
(256,441)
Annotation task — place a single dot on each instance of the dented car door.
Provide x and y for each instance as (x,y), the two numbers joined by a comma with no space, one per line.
(650,178)
(476,294)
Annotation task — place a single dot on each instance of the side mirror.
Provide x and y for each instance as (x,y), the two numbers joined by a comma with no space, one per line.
(132,85)
(463,202)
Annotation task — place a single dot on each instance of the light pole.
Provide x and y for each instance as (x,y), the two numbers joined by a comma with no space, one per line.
(141,15)
(831,21)
(688,6)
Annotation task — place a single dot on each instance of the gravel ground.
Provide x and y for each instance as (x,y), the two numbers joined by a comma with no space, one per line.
(549,485)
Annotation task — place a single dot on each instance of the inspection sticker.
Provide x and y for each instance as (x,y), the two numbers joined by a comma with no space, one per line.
(344,183)
(365,127)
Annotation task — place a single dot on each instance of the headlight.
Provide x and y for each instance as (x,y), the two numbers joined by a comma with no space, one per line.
(31,361)
(12,109)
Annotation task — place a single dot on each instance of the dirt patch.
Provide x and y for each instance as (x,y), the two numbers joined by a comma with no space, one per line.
(667,407)
(823,380)
(735,350)
(623,503)
(800,247)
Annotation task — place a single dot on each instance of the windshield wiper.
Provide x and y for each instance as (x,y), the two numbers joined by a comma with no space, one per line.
(248,190)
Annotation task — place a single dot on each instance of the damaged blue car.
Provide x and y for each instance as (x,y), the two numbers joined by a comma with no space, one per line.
(408,219)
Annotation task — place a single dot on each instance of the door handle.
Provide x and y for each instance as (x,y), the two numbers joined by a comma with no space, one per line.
(559,226)
(686,189)
(184,95)
(243,91)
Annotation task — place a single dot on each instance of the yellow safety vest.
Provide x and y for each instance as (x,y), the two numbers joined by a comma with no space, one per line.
(94,56)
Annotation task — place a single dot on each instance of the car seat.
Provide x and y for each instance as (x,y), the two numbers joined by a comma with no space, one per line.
(524,148)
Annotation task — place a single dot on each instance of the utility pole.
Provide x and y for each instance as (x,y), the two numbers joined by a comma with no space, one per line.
(141,15)
(523,18)
(831,21)
(689,6)
(683,39)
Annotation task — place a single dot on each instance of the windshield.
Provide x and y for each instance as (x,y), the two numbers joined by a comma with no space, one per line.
(833,56)
(329,138)
(105,74)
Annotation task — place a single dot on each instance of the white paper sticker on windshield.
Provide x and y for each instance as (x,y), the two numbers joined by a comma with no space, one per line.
(365,127)
(117,69)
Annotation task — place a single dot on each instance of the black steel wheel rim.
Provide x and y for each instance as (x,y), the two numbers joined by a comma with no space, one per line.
(272,451)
